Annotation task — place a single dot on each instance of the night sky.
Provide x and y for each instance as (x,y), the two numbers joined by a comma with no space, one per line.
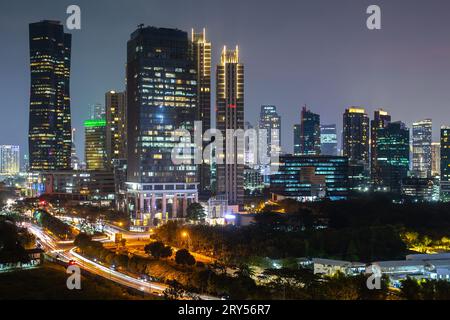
(296,52)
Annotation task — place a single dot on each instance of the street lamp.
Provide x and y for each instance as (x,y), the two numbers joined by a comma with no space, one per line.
(185,234)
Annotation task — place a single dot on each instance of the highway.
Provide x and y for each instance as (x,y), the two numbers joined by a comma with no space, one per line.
(65,251)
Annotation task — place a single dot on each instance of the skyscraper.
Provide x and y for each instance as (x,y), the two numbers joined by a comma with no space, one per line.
(9,160)
(309,132)
(380,120)
(435,159)
(116,126)
(445,164)
(392,156)
(328,140)
(421,143)
(75,162)
(230,115)
(355,138)
(49,137)
(201,49)
(97,111)
(95,144)
(297,133)
(161,98)
(270,121)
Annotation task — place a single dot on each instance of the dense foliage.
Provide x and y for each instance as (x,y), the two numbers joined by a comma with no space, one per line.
(13,242)
(54,225)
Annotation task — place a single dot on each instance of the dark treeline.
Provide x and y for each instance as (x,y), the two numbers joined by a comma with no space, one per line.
(54,225)
(13,242)
(268,238)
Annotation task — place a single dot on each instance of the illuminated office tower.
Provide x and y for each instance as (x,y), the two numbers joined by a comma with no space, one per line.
(9,160)
(435,159)
(161,98)
(328,140)
(97,111)
(380,120)
(49,136)
(297,130)
(271,122)
(392,156)
(201,49)
(95,144)
(355,138)
(309,132)
(116,129)
(230,115)
(422,132)
(75,162)
(445,164)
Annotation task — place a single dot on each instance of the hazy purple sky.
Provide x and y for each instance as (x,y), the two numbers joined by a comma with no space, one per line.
(296,52)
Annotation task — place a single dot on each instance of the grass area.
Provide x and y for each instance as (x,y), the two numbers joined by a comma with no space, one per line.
(49,283)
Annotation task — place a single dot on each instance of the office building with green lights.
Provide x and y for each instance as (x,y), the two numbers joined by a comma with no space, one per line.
(95,145)
(392,156)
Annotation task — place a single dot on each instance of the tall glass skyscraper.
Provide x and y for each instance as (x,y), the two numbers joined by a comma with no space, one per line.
(50,131)
(270,120)
(392,156)
(95,145)
(355,139)
(297,133)
(445,164)
(309,133)
(328,140)
(201,49)
(230,115)
(161,98)
(380,120)
(422,137)
(116,126)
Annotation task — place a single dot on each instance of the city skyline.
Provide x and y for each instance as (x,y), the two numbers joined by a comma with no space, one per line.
(381,88)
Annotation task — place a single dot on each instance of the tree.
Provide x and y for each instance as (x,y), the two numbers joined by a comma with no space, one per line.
(196,212)
(183,257)
(158,250)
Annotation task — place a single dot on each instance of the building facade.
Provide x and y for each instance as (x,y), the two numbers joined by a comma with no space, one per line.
(311,178)
(9,160)
(392,156)
(201,49)
(230,116)
(380,120)
(161,99)
(309,132)
(116,126)
(50,131)
(270,121)
(435,159)
(328,140)
(422,135)
(445,164)
(95,145)
(355,137)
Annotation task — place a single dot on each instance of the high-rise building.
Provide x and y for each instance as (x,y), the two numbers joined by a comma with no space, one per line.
(435,159)
(328,140)
(392,156)
(97,111)
(422,135)
(116,126)
(380,120)
(311,178)
(270,121)
(230,115)
(297,133)
(355,137)
(9,160)
(161,98)
(201,49)
(49,136)
(75,162)
(309,132)
(445,164)
(95,145)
